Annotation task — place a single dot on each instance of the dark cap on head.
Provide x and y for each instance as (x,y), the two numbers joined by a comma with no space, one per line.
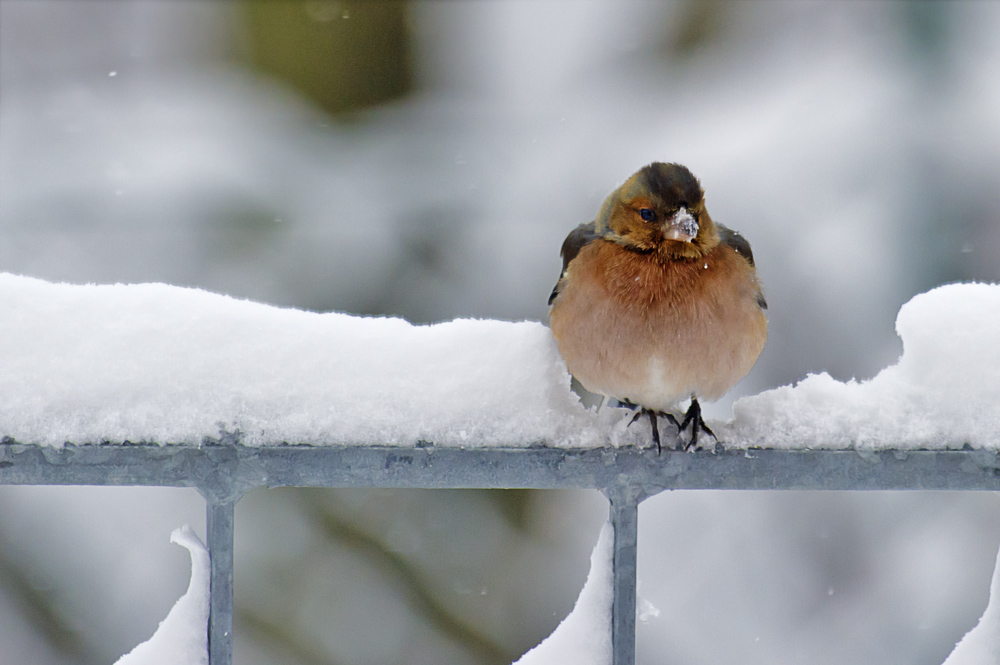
(672,183)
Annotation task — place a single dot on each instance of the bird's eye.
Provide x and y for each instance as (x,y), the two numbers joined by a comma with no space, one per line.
(648,214)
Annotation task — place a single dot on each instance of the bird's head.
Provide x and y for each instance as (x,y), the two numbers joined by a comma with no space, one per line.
(660,209)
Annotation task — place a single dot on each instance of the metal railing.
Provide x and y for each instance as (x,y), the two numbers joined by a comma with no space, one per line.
(223,470)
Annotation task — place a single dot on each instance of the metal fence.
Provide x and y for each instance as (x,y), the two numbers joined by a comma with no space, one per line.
(223,470)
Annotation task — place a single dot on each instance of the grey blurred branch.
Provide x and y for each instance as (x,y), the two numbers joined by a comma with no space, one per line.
(276,633)
(38,610)
(417,591)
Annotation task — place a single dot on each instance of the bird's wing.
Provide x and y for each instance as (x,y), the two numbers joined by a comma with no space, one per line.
(739,244)
(577,239)
(733,239)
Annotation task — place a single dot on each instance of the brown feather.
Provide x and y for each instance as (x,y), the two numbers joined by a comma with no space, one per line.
(655,330)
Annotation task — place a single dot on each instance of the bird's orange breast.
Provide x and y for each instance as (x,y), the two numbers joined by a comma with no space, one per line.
(656,332)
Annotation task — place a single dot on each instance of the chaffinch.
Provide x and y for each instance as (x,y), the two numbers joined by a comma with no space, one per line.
(656,303)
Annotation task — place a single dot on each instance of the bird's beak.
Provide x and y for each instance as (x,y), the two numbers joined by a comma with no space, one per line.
(681,226)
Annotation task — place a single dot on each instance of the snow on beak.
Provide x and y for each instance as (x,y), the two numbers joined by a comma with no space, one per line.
(681,226)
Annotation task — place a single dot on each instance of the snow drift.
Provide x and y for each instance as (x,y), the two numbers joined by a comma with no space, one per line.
(157,363)
(943,393)
(165,364)
(183,636)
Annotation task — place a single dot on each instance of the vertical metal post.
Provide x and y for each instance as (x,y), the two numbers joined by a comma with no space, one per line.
(220,521)
(625,520)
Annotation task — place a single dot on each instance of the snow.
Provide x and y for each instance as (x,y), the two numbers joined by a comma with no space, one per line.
(151,362)
(981,645)
(821,79)
(183,636)
(158,363)
(166,364)
(943,393)
(584,636)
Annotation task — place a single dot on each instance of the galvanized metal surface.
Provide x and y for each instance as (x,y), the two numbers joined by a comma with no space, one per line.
(223,470)
(220,527)
(624,568)
(230,469)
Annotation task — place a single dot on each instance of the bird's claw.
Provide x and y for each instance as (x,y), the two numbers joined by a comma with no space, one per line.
(693,418)
(652,423)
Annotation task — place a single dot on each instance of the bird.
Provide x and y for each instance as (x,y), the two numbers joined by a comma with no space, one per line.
(657,303)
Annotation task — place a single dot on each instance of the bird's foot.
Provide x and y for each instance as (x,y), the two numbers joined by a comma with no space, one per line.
(693,418)
(652,423)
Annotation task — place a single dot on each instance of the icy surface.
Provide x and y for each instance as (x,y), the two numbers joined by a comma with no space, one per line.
(151,362)
(981,645)
(943,393)
(183,636)
(584,636)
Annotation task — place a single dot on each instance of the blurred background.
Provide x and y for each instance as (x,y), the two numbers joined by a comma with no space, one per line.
(425,160)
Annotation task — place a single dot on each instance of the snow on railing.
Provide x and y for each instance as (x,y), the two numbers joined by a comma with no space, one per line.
(158,385)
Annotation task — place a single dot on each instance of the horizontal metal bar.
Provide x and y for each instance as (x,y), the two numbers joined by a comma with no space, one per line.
(227,470)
